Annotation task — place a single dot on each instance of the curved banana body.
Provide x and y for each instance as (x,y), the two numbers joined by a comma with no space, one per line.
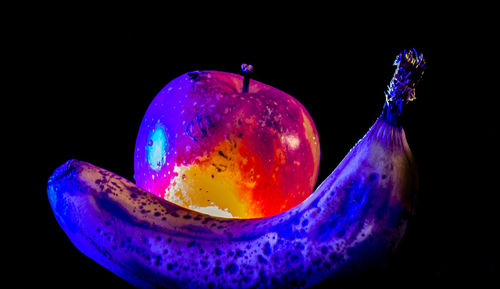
(354,218)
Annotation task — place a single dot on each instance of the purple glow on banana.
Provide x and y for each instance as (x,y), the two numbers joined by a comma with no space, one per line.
(350,223)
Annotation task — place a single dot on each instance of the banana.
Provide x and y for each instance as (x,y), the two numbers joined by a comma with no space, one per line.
(350,223)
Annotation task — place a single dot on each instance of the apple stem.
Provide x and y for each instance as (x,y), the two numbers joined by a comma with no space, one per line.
(247,70)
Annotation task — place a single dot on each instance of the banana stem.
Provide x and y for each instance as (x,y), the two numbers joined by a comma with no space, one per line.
(410,68)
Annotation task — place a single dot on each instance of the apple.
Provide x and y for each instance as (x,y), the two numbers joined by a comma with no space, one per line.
(220,144)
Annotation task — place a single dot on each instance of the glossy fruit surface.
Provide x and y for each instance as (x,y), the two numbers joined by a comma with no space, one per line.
(206,145)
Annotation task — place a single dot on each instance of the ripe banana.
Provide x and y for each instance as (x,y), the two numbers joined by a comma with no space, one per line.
(354,218)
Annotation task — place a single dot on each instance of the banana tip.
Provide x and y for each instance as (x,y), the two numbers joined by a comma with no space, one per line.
(62,171)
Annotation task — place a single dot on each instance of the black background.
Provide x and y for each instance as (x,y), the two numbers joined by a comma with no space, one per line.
(83,81)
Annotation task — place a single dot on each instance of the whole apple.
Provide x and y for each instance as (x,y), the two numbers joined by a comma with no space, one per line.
(211,145)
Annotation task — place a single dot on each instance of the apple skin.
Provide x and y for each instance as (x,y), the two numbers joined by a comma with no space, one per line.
(206,145)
